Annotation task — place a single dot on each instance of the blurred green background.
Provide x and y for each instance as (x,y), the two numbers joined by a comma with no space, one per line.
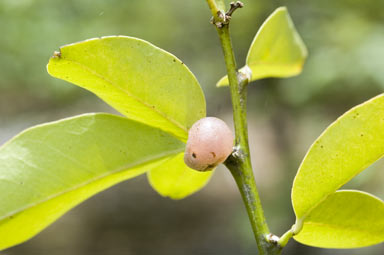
(345,67)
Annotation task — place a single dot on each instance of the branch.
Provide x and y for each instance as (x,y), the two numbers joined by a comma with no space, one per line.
(213,7)
(239,162)
(234,7)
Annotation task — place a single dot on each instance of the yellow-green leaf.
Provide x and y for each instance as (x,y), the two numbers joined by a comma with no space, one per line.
(141,81)
(277,49)
(346,219)
(48,169)
(175,180)
(344,149)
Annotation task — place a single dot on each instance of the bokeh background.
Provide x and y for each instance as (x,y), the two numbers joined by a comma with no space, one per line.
(345,67)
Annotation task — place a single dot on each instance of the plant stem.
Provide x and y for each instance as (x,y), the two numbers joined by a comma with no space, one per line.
(285,238)
(239,163)
(213,7)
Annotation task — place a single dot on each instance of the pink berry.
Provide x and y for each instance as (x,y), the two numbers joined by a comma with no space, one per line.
(210,142)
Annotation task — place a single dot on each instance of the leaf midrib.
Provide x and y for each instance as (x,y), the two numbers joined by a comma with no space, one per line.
(254,65)
(92,180)
(315,223)
(94,72)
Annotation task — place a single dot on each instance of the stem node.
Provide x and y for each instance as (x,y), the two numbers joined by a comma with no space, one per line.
(221,19)
(273,239)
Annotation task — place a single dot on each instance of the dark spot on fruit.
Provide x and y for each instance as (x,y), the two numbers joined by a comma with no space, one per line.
(174,60)
(194,155)
(213,154)
(211,166)
(361,134)
(321,146)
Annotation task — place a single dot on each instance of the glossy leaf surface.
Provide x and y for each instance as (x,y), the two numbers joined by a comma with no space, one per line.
(346,147)
(141,81)
(277,49)
(175,180)
(346,219)
(48,169)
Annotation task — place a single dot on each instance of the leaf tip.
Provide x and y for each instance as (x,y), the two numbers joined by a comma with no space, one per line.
(282,9)
(222,82)
(55,56)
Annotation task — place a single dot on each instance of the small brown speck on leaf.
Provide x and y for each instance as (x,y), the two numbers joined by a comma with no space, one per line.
(57,54)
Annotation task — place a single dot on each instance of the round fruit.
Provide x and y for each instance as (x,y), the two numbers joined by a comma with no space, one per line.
(210,142)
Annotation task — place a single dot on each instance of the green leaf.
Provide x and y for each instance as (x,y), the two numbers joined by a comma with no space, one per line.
(48,169)
(346,219)
(140,80)
(344,149)
(175,180)
(277,49)
(143,82)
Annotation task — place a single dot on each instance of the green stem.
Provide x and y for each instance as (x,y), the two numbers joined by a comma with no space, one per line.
(213,7)
(285,238)
(239,163)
